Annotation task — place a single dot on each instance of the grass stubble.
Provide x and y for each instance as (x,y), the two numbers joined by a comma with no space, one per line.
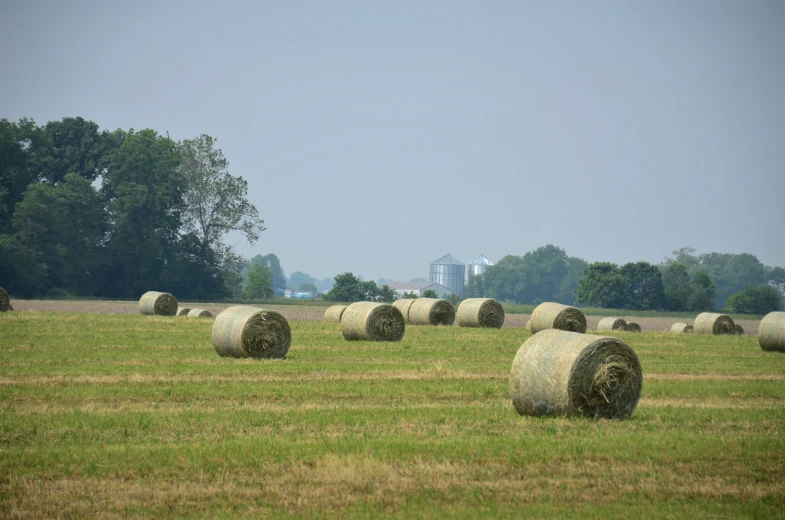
(108,415)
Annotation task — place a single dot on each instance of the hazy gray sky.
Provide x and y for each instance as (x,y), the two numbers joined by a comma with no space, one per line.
(378,136)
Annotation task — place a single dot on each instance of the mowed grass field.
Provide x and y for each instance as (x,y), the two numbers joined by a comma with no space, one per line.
(130,415)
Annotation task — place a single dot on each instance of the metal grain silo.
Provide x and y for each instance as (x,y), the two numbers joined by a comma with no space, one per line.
(479,266)
(450,272)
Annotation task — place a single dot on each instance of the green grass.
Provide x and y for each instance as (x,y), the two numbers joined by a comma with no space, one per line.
(124,415)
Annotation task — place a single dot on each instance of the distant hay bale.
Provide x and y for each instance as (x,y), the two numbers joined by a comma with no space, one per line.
(5,301)
(334,313)
(241,331)
(480,312)
(611,324)
(568,373)
(681,328)
(158,304)
(771,332)
(550,315)
(739,329)
(183,311)
(632,327)
(199,313)
(403,305)
(431,311)
(373,322)
(712,323)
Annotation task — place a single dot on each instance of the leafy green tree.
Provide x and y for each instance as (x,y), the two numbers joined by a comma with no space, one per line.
(215,202)
(370,291)
(410,296)
(676,287)
(271,262)
(576,267)
(504,280)
(20,146)
(21,270)
(347,288)
(755,299)
(703,292)
(258,283)
(775,276)
(644,290)
(603,285)
(75,145)
(429,293)
(475,287)
(386,294)
(299,277)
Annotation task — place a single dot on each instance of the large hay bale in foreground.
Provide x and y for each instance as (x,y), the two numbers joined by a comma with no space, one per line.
(611,324)
(5,301)
(372,321)
(568,373)
(334,313)
(403,305)
(550,315)
(431,311)
(183,311)
(480,312)
(158,304)
(199,313)
(713,323)
(739,329)
(771,332)
(242,331)
(681,328)
(632,327)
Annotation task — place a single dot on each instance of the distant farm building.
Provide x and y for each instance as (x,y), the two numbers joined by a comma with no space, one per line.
(417,288)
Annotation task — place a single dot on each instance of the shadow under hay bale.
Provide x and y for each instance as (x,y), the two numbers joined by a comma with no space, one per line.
(158,304)
(431,311)
(771,332)
(632,327)
(334,313)
(5,301)
(199,313)
(611,324)
(241,331)
(713,323)
(568,373)
(183,311)
(550,315)
(739,329)
(480,312)
(403,305)
(373,322)
(681,328)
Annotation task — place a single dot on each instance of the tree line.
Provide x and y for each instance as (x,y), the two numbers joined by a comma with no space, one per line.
(89,212)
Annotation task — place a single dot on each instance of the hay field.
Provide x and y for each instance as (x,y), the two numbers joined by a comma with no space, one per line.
(129,415)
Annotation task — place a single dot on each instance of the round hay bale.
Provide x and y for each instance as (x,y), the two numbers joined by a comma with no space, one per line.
(771,332)
(681,328)
(5,301)
(431,311)
(242,331)
(550,315)
(567,373)
(739,329)
(334,313)
(403,305)
(632,327)
(712,323)
(183,311)
(158,304)
(611,324)
(480,312)
(199,313)
(372,321)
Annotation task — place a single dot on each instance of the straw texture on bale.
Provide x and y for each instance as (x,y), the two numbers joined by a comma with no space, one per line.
(632,327)
(242,331)
(183,311)
(567,373)
(403,305)
(5,301)
(550,315)
(158,304)
(480,312)
(712,323)
(199,313)
(431,311)
(334,313)
(739,329)
(610,324)
(372,321)
(771,332)
(681,328)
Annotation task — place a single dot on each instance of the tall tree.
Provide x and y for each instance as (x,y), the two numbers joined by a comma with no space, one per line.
(643,286)
(677,288)
(298,278)
(703,292)
(347,288)
(215,201)
(271,262)
(21,146)
(75,145)
(259,282)
(602,285)
(755,299)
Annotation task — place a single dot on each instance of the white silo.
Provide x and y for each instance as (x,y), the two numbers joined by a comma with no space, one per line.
(479,266)
(450,272)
